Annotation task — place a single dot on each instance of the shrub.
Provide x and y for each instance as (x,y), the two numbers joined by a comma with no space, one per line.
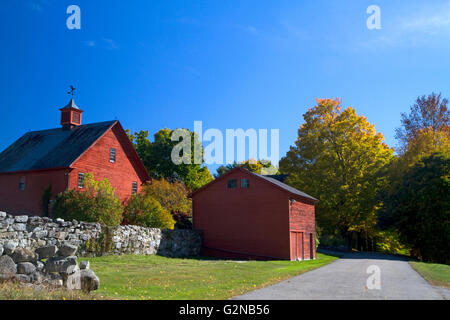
(96,203)
(182,220)
(144,210)
(171,196)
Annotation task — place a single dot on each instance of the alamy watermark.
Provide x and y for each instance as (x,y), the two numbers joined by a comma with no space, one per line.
(374,280)
(74,20)
(214,145)
(374,20)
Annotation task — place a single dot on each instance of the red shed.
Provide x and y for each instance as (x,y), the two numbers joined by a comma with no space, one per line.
(60,157)
(248,215)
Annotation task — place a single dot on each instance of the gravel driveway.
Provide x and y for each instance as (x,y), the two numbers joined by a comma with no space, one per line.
(347,277)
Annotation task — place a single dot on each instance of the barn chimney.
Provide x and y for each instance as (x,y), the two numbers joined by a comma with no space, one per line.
(70,115)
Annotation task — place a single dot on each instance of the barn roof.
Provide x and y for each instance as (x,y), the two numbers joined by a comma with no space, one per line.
(273,179)
(53,148)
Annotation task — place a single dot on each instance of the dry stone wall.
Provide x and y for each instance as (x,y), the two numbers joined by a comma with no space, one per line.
(48,266)
(94,239)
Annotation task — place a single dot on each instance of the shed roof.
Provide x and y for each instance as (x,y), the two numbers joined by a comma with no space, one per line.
(53,148)
(269,178)
(284,186)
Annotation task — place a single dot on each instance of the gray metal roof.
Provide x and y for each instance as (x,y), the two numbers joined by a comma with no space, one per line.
(71,104)
(53,148)
(284,186)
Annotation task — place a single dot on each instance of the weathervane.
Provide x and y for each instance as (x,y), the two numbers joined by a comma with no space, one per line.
(71,92)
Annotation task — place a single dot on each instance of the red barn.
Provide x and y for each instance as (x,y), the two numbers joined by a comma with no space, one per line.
(248,215)
(60,157)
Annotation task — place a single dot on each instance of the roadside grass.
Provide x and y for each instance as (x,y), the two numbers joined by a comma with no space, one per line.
(436,274)
(138,277)
(15,291)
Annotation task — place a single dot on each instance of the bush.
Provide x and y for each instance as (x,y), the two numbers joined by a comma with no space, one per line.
(171,196)
(96,203)
(144,210)
(182,220)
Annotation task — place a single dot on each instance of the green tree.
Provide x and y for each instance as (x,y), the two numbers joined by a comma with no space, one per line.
(96,203)
(421,208)
(156,157)
(340,159)
(260,166)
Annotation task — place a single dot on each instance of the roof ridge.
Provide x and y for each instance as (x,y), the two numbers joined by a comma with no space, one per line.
(60,128)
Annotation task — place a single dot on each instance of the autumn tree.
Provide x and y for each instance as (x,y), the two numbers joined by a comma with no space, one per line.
(174,198)
(424,132)
(156,156)
(429,113)
(340,159)
(143,210)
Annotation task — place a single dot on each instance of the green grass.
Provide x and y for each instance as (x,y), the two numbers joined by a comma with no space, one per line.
(436,274)
(155,277)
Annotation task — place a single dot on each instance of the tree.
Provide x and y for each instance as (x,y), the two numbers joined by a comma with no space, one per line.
(340,159)
(144,210)
(424,131)
(260,166)
(172,196)
(156,157)
(421,208)
(429,112)
(96,203)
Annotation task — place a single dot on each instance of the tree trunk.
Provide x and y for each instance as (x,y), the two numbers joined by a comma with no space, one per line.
(349,240)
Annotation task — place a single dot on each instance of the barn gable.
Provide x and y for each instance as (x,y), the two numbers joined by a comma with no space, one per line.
(273,180)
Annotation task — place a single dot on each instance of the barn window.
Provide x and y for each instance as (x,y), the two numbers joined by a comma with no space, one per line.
(134,187)
(232,184)
(245,183)
(112,155)
(22,183)
(80,180)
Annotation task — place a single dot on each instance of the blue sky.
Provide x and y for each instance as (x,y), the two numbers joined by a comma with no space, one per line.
(230,64)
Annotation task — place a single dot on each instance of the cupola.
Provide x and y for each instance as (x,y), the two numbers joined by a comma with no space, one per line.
(71,115)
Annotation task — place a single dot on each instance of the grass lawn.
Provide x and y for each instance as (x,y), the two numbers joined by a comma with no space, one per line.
(436,274)
(156,277)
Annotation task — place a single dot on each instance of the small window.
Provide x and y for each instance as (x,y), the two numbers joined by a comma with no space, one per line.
(245,183)
(112,155)
(22,183)
(80,180)
(134,187)
(76,117)
(232,184)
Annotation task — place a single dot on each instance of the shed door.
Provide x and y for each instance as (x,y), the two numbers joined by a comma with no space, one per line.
(296,245)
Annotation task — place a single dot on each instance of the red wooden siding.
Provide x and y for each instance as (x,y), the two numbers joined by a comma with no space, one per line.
(121,174)
(251,221)
(29,200)
(258,222)
(302,219)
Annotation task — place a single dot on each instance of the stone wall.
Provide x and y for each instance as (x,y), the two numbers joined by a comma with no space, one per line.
(94,239)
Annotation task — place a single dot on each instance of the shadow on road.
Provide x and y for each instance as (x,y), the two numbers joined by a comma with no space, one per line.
(365,255)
